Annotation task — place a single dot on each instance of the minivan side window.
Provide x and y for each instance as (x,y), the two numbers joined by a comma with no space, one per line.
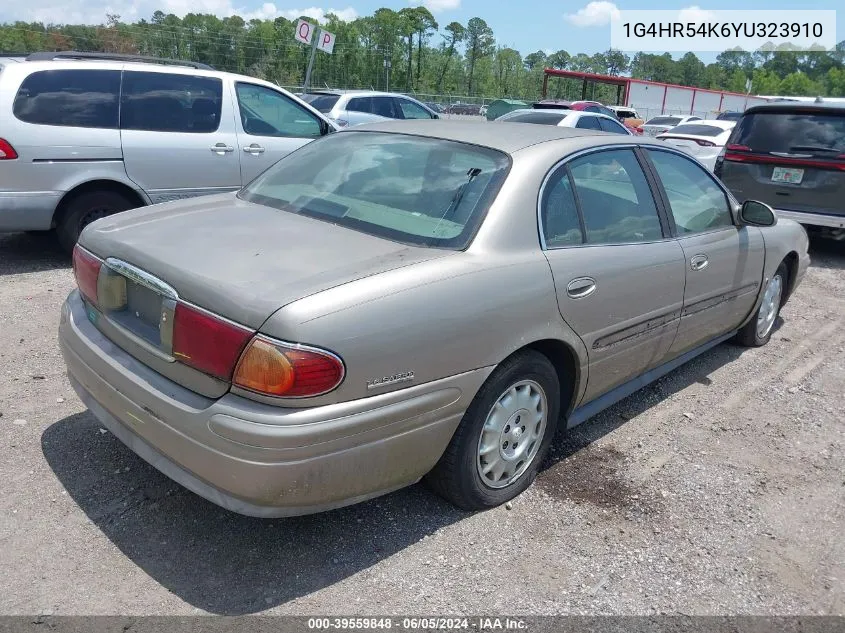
(265,112)
(161,102)
(615,198)
(70,98)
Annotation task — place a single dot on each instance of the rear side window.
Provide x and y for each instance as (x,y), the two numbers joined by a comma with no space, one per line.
(588,123)
(615,198)
(71,98)
(608,125)
(542,118)
(664,120)
(360,104)
(160,102)
(699,129)
(792,132)
(323,103)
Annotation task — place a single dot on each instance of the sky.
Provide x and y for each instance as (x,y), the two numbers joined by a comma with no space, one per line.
(577,26)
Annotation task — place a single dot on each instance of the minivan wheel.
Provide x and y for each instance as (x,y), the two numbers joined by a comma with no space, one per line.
(758,330)
(503,437)
(84,209)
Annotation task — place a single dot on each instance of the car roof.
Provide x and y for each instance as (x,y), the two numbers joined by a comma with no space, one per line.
(797,106)
(509,137)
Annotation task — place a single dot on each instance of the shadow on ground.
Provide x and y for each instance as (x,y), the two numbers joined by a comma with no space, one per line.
(224,563)
(30,253)
(827,253)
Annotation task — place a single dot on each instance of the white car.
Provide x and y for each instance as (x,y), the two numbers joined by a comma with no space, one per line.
(624,112)
(356,107)
(702,139)
(567,118)
(664,122)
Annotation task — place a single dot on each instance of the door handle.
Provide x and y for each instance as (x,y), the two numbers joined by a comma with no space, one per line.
(253,149)
(581,287)
(698,262)
(222,148)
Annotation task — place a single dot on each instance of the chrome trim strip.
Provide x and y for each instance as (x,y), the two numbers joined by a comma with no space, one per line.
(141,277)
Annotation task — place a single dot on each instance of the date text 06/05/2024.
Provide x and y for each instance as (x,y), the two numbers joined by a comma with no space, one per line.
(418,623)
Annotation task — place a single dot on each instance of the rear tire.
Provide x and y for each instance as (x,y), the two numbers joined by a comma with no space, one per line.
(506,430)
(758,330)
(84,209)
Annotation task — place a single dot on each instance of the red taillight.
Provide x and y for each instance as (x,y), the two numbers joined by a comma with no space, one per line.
(7,152)
(206,342)
(285,370)
(86,269)
(732,147)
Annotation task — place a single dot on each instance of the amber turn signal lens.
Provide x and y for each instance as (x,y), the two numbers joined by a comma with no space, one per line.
(284,370)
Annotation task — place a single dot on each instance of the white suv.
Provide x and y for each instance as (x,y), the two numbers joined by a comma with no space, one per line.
(84,135)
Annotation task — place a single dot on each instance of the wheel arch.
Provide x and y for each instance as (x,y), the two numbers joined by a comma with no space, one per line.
(791,261)
(98,184)
(567,365)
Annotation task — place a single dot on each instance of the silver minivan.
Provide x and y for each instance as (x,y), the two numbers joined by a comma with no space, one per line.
(84,135)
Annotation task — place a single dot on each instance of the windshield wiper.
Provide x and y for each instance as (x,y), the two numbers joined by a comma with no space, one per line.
(459,194)
(814,148)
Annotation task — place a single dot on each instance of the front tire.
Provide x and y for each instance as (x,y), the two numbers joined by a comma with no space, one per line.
(84,209)
(758,330)
(503,437)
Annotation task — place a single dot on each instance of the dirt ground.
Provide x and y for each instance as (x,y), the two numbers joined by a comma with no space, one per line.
(718,490)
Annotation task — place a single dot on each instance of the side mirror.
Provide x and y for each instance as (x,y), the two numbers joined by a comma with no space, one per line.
(325,128)
(756,213)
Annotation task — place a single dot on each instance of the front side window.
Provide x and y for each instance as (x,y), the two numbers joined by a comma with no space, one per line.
(71,98)
(411,110)
(697,203)
(170,102)
(265,112)
(427,192)
(616,202)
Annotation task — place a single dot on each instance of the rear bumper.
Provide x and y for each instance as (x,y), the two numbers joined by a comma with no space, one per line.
(257,459)
(813,219)
(27,210)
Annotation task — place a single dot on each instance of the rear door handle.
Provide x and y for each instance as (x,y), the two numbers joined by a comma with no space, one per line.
(253,149)
(222,148)
(698,262)
(581,287)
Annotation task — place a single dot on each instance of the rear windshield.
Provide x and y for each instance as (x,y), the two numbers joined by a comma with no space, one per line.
(415,190)
(729,116)
(664,120)
(323,103)
(543,118)
(792,132)
(699,130)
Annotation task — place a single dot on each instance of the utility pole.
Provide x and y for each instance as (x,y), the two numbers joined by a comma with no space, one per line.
(387,64)
(314,41)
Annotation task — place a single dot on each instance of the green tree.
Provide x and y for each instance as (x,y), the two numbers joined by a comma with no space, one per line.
(479,44)
(455,34)
(534,60)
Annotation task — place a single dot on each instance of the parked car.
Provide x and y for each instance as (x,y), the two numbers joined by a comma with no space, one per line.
(379,307)
(703,139)
(470,109)
(567,118)
(356,107)
(552,104)
(86,135)
(729,116)
(595,106)
(435,107)
(791,155)
(664,122)
(629,117)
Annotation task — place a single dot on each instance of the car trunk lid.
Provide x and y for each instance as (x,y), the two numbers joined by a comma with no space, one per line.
(224,256)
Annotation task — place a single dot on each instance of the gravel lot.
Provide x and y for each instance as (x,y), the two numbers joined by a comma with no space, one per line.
(718,490)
